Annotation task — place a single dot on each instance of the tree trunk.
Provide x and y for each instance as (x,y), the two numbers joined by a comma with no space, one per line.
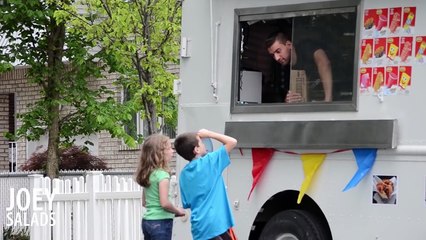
(56,39)
(52,166)
(152,119)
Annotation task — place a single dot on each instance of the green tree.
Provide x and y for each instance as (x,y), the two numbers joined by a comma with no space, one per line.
(137,39)
(60,63)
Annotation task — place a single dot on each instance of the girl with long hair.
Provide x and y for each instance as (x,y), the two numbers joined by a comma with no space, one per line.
(153,174)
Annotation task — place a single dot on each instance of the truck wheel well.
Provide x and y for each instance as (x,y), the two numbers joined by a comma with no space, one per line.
(282,201)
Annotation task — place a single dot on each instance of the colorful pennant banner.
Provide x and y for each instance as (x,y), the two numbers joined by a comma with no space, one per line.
(365,159)
(261,157)
(311,162)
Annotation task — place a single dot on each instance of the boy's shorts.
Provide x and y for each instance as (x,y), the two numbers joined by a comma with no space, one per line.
(228,235)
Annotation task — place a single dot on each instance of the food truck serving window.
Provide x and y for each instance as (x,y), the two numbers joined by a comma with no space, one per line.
(296,58)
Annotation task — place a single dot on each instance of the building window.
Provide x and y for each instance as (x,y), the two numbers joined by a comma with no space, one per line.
(315,59)
(135,127)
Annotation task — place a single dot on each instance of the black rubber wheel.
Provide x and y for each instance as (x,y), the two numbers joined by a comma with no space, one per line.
(293,225)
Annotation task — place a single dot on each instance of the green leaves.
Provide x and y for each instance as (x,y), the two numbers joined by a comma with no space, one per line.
(137,40)
(71,47)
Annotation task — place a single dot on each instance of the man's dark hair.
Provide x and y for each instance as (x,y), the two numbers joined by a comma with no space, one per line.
(276,36)
(185,144)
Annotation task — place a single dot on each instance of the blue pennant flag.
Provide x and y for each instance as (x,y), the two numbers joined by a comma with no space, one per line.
(365,159)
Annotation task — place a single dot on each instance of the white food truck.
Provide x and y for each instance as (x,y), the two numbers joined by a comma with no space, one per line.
(353,168)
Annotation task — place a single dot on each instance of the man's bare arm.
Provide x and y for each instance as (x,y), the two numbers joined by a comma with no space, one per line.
(324,69)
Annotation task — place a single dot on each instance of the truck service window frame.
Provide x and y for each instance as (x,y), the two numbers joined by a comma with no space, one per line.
(258,85)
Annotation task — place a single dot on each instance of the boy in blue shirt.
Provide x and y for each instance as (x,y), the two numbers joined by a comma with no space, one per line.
(202,187)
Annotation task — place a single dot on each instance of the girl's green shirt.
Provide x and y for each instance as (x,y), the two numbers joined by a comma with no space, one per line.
(154,211)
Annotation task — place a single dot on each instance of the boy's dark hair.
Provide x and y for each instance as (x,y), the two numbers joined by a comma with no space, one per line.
(185,144)
(276,36)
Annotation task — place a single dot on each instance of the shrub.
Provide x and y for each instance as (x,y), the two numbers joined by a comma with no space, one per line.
(10,233)
(72,158)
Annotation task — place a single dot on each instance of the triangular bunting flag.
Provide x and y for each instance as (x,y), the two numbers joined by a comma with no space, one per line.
(311,162)
(365,159)
(261,157)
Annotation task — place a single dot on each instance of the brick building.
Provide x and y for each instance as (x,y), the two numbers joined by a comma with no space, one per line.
(16,93)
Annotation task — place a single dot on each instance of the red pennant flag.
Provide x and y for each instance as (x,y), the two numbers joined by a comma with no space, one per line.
(261,157)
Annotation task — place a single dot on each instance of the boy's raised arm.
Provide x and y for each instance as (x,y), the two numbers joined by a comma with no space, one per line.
(228,141)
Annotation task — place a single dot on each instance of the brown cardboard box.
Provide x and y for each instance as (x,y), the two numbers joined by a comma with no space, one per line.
(298,83)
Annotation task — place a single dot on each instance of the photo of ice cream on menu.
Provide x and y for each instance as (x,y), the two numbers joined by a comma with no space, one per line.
(395,16)
(368,23)
(406,50)
(366,51)
(378,79)
(392,46)
(391,85)
(365,79)
(409,20)
(382,22)
(405,78)
(379,51)
(420,50)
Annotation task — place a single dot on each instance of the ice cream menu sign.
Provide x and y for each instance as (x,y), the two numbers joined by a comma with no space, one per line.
(389,48)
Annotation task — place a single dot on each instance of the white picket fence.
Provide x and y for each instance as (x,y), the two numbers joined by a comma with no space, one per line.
(92,208)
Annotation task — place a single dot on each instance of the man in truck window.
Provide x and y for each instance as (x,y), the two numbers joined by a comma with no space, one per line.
(307,56)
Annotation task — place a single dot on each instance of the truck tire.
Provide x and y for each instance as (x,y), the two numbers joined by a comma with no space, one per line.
(293,225)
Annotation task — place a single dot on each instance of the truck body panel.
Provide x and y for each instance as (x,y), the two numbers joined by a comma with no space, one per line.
(206,100)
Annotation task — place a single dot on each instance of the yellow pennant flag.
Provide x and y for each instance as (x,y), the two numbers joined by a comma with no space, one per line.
(311,162)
